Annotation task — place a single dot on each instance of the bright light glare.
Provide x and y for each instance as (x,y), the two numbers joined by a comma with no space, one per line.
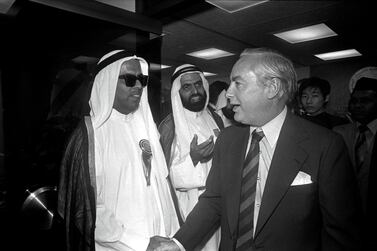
(308,33)
(208,74)
(210,53)
(338,54)
(156,67)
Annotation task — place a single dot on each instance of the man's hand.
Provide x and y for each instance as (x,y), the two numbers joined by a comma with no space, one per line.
(155,241)
(202,152)
(159,243)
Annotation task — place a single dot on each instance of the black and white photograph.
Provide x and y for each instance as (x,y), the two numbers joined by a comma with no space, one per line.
(182,125)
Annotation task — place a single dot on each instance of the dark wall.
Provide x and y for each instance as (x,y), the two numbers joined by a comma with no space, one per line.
(37,43)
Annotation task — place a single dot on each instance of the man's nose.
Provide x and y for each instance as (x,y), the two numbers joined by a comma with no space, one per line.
(138,84)
(195,90)
(229,92)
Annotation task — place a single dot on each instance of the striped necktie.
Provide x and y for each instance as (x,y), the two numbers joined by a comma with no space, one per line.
(248,189)
(361,147)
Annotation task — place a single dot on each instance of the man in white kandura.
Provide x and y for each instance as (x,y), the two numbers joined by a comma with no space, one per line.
(113,191)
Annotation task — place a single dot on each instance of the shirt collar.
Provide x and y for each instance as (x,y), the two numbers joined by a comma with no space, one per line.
(212,105)
(272,129)
(193,115)
(372,126)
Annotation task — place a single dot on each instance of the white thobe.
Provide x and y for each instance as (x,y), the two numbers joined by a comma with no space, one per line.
(189,180)
(128,211)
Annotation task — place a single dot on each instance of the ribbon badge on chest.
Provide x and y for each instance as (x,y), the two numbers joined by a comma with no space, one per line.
(146,155)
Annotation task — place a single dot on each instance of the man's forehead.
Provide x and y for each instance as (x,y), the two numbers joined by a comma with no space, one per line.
(132,65)
(364,93)
(245,65)
(312,89)
(190,77)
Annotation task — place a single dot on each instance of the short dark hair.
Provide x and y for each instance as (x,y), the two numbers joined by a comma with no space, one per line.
(322,84)
(215,89)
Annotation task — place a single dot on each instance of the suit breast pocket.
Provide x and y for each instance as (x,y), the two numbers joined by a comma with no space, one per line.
(302,190)
(303,197)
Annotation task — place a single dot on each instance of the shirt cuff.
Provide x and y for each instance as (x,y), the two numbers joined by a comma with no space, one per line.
(181,247)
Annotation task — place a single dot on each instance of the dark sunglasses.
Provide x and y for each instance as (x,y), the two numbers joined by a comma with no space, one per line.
(130,80)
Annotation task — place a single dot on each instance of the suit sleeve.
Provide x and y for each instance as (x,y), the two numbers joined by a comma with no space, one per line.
(205,217)
(339,199)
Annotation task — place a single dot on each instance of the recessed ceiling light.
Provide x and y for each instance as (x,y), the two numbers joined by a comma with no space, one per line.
(338,54)
(157,67)
(233,6)
(208,74)
(308,33)
(210,53)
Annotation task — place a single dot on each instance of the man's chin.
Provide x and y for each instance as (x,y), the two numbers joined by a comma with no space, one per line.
(195,106)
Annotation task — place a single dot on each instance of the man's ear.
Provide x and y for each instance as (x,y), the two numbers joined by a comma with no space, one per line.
(274,88)
(327,98)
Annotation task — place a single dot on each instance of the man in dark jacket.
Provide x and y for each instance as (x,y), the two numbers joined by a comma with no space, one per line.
(279,183)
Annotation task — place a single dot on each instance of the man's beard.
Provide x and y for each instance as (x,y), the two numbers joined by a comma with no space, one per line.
(195,106)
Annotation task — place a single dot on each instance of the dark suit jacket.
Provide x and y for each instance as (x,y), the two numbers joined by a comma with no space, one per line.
(368,195)
(323,215)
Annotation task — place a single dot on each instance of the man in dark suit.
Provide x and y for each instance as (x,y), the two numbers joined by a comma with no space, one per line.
(303,194)
(360,138)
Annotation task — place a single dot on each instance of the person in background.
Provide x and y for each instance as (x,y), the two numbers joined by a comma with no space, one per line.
(113,192)
(219,104)
(225,109)
(278,182)
(214,91)
(360,138)
(314,94)
(188,136)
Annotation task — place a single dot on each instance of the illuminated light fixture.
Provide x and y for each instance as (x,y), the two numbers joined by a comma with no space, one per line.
(210,53)
(208,74)
(308,33)
(232,6)
(157,67)
(338,54)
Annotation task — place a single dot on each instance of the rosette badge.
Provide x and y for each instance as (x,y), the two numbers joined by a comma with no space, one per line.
(146,155)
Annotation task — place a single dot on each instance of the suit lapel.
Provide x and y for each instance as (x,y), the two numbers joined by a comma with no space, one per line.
(237,152)
(286,162)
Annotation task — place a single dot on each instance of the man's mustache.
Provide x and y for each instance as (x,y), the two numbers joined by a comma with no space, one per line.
(196,96)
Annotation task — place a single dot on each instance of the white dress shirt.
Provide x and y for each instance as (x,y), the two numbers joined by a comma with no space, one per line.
(267,147)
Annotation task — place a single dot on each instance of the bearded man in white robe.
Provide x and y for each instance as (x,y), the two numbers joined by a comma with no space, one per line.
(187,137)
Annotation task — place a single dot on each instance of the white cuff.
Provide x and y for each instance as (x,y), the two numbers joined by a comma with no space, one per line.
(181,247)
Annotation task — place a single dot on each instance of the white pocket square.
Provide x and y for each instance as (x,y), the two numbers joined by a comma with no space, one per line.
(302,179)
